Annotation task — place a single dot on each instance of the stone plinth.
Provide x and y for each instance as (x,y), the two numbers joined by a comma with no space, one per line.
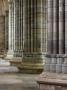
(52,81)
(32,63)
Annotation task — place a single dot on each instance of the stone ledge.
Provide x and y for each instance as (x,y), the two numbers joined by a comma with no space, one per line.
(52,80)
(55,55)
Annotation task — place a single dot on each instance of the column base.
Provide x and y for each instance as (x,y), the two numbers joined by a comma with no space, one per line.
(32,63)
(10,55)
(32,68)
(52,81)
(15,61)
(14,58)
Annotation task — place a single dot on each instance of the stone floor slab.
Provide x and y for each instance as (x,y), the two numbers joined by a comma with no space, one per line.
(18,82)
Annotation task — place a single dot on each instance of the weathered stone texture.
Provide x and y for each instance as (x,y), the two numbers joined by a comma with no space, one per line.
(2,32)
(52,81)
(51,87)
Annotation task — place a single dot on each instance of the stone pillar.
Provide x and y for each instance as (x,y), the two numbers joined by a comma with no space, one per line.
(61,35)
(34,29)
(10,27)
(61,27)
(55,26)
(15,31)
(64,69)
(50,27)
(65,26)
(55,34)
(49,35)
(6,29)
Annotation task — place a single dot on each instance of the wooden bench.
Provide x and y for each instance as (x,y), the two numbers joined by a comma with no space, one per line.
(52,81)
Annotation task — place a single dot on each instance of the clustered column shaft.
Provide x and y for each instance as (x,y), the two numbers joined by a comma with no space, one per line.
(56,35)
(15,29)
(50,34)
(27,30)
(61,34)
(34,30)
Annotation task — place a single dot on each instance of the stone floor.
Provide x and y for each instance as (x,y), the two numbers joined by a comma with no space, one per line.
(18,81)
(11,79)
(29,82)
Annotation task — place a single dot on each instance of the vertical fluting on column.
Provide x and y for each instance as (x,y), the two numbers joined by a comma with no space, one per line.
(21,25)
(55,34)
(15,30)
(48,66)
(34,21)
(40,25)
(46,23)
(61,27)
(55,26)
(12,29)
(65,26)
(61,35)
(64,66)
(10,51)
(18,28)
(14,24)
(6,29)
(18,44)
(50,27)
(25,25)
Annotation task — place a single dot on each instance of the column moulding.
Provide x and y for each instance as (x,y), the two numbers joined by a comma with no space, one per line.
(15,52)
(33,16)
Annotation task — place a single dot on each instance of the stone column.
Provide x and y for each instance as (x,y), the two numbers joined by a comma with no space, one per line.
(34,21)
(65,26)
(61,35)
(15,31)
(50,27)
(55,34)
(55,26)
(10,27)
(6,29)
(49,35)
(65,61)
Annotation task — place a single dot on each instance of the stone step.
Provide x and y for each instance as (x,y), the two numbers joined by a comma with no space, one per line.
(4,62)
(8,69)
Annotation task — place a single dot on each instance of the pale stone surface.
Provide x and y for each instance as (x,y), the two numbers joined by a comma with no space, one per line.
(46,87)
(52,81)
(18,82)
(52,87)
(5,66)
(4,62)
(7,69)
(10,83)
